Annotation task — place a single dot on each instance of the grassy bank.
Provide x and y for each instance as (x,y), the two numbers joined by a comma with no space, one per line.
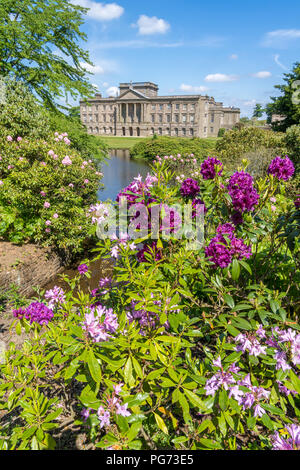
(121,142)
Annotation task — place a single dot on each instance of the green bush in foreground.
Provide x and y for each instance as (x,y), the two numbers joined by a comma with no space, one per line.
(46,189)
(235,144)
(176,349)
(150,148)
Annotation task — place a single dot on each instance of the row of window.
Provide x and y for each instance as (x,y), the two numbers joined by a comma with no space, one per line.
(176,106)
(97,107)
(176,118)
(184,132)
(154,107)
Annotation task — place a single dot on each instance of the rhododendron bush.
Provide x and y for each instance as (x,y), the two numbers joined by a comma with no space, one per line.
(175,349)
(46,189)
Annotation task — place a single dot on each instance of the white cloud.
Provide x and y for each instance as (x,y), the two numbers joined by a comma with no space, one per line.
(233,57)
(101,11)
(262,74)
(280,37)
(112,91)
(276,58)
(191,88)
(220,77)
(249,103)
(152,25)
(105,85)
(94,69)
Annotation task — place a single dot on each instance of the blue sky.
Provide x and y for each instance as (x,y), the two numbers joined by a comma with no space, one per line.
(235,51)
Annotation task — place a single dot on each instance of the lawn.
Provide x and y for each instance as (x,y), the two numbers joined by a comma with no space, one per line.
(114,142)
(121,142)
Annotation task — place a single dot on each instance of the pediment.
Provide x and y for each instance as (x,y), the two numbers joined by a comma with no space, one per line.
(132,95)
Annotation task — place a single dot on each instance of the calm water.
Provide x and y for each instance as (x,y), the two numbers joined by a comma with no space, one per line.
(119,172)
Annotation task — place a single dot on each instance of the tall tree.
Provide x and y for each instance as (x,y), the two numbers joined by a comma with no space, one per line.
(258,111)
(40,45)
(288,103)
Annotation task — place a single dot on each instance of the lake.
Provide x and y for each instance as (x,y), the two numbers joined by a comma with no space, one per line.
(118,172)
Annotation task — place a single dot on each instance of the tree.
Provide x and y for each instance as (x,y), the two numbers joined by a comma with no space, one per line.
(288,104)
(258,111)
(39,43)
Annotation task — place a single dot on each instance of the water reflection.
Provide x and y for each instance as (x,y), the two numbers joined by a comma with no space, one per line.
(119,172)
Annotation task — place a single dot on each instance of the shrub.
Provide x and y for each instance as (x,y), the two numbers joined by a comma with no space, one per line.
(151,147)
(221,132)
(233,147)
(292,141)
(20,114)
(89,146)
(45,191)
(176,349)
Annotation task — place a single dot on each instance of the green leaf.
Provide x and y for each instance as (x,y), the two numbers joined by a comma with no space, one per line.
(235,270)
(229,300)
(94,366)
(160,423)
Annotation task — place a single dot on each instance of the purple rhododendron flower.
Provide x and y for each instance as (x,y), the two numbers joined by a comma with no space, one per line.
(281,168)
(208,168)
(240,188)
(83,268)
(36,312)
(221,252)
(189,188)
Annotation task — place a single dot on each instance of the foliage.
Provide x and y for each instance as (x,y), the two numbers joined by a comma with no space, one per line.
(20,114)
(288,103)
(171,352)
(235,144)
(89,146)
(45,190)
(221,132)
(151,147)
(258,111)
(39,41)
(292,141)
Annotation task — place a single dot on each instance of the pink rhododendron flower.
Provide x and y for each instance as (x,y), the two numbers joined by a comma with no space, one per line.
(67,161)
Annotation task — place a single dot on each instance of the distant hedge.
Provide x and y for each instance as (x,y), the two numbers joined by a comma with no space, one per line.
(151,147)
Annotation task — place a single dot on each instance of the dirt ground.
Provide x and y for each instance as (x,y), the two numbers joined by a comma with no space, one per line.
(30,266)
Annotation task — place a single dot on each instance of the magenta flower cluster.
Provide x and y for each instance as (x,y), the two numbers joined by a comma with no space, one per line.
(208,168)
(244,196)
(36,312)
(281,168)
(100,322)
(222,250)
(189,188)
(82,269)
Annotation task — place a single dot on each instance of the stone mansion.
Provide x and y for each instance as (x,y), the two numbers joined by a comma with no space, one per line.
(140,111)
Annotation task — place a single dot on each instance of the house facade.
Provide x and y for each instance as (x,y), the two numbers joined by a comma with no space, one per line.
(139,111)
